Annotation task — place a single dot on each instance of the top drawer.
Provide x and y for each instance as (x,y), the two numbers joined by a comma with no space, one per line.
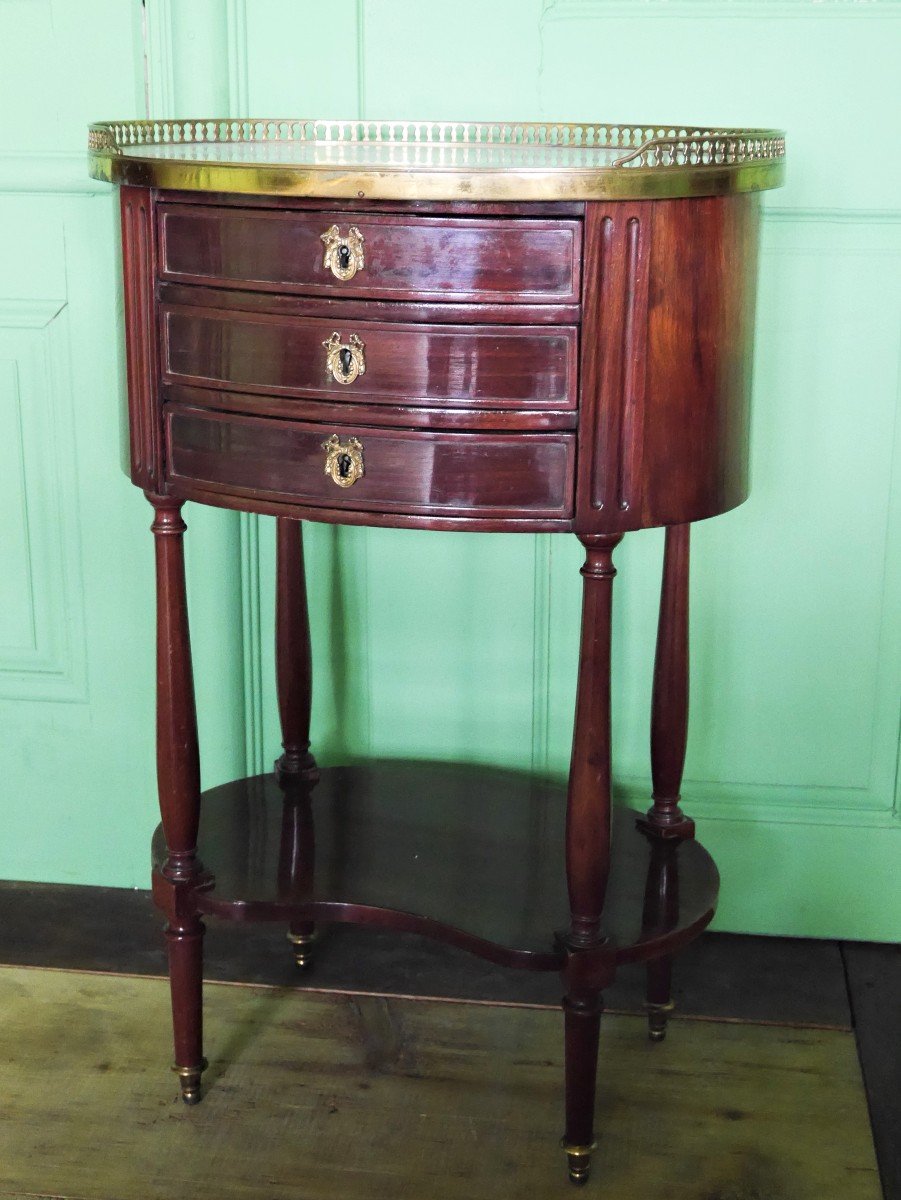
(495,260)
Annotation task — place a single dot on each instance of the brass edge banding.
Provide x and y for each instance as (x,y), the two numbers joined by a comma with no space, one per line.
(578,1151)
(189,1072)
(657,162)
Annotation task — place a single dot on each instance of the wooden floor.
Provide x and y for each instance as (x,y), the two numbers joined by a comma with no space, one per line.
(328,1097)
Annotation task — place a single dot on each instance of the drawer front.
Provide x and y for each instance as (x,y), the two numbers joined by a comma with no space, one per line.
(475,366)
(527,475)
(395,257)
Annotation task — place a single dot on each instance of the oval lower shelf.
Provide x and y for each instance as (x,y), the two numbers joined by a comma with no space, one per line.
(469,855)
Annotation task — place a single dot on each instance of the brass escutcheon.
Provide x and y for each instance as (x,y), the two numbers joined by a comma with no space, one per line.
(343,460)
(343,255)
(345,360)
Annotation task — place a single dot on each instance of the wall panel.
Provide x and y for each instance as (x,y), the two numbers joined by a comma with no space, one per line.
(456,645)
(428,644)
(42,652)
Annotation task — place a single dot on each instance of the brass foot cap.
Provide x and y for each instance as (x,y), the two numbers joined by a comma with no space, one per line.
(189,1078)
(578,1162)
(303,949)
(658,1015)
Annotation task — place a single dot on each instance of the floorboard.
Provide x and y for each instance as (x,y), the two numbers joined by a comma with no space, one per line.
(722,976)
(314,1097)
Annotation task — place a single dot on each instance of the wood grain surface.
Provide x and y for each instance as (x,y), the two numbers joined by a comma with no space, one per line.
(471,366)
(458,474)
(471,855)
(441,258)
(343,1098)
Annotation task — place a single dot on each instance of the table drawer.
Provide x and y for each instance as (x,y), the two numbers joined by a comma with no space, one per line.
(526,475)
(497,260)
(475,366)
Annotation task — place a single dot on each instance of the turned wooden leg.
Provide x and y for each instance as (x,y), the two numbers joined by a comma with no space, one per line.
(669,704)
(293,654)
(669,736)
(294,676)
(178,779)
(297,859)
(659,996)
(582,1022)
(660,915)
(185,947)
(588,854)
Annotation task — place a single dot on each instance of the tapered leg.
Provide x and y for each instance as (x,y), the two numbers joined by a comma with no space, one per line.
(582,1022)
(293,654)
(660,915)
(185,947)
(659,1002)
(669,736)
(178,779)
(294,675)
(297,859)
(669,704)
(588,853)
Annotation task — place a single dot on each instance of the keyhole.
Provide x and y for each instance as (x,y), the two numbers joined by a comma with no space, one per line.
(344,465)
(346,360)
(344,257)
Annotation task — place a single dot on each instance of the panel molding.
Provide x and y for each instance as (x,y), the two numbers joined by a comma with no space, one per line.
(238,73)
(582,10)
(54,173)
(775,214)
(34,336)
(159,60)
(705,801)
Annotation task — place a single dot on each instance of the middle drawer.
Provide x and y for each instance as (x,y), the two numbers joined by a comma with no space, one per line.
(476,366)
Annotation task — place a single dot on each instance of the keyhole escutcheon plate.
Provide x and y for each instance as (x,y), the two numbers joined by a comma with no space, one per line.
(345,360)
(343,254)
(343,460)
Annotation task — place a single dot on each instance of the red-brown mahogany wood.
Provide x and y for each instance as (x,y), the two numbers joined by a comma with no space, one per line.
(582,1027)
(293,653)
(178,778)
(470,366)
(669,705)
(667,326)
(588,842)
(492,475)
(430,258)
(423,208)
(414,312)
(661,915)
(437,849)
(297,857)
(257,502)
(397,416)
(177,754)
(141,343)
(588,803)
(184,945)
(529,367)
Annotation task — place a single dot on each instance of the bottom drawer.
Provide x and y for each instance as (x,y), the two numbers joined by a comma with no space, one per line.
(373,470)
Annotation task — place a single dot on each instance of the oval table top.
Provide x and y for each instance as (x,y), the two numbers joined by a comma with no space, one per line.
(429,160)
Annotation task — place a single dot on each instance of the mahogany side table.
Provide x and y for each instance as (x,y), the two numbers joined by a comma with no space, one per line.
(507,328)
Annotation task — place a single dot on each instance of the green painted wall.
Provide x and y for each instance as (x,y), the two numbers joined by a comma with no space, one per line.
(423,644)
